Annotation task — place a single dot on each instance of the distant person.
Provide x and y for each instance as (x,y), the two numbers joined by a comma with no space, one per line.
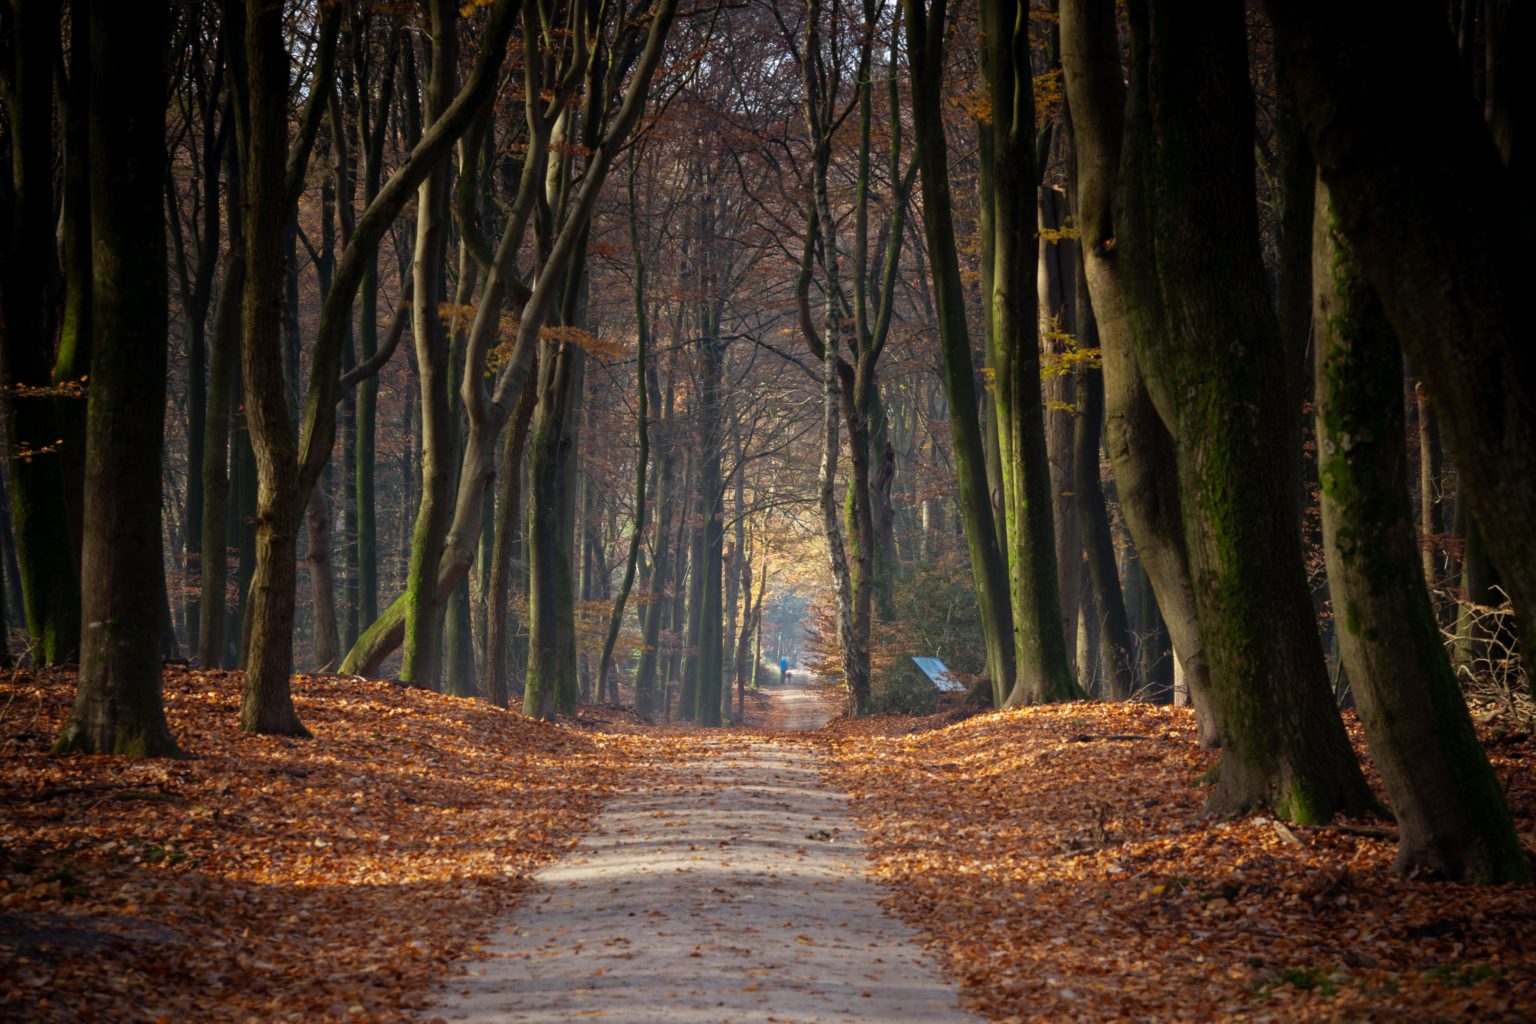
(784,671)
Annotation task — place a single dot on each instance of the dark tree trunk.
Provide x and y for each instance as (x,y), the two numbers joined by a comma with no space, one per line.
(1452,817)
(1139,445)
(1210,347)
(926,26)
(501,621)
(1449,264)
(118,707)
(29,288)
(268,703)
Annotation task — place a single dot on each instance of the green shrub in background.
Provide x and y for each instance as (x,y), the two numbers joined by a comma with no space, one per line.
(936,617)
(902,689)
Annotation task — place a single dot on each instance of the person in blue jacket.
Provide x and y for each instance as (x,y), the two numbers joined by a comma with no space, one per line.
(784,670)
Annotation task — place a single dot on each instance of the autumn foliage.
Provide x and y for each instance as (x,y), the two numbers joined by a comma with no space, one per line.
(266,878)
(1058,861)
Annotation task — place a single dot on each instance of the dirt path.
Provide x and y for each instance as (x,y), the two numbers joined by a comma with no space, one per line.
(732,890)
(796,707)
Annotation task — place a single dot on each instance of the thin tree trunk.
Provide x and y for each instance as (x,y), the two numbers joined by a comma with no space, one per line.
(422,664)
(925,47)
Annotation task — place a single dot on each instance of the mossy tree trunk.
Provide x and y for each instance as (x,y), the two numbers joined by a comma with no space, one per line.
(118,707)
(1449,264)
(1209,343)
(1139,445)
(422,665)
(925,27)
(1452,817)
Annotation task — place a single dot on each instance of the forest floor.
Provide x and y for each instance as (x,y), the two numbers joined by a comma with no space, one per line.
(1053,862)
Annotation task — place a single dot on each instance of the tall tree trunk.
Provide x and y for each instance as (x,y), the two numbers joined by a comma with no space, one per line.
(642,457)
(29,287)
(224,359)
(1452,817)
(1448,264)
(1210,346)
(118,707)
(925,47)
(1040,648)
(1059,333)
(267,705)
(1140,447)
(422,664)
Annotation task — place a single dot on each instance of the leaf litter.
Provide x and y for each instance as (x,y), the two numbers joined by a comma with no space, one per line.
(1055,859)
(268,878)
(1058,861)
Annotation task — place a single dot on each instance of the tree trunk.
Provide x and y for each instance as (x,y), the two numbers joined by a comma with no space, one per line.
(551,685)
(118,708)
(1040,648)
(1060,334)
(925,48)
(1207,338)
(422,664)
(1448,264)
(1452,817)
(1139,445)
(322,581)
(29,286)
(267,706)
(223,362)
(501,621)
(1115,651)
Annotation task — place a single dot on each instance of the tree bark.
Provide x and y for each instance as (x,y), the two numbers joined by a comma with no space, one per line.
(422,664)
(1453,820)
(1140,447)
(1207,338)
(118,707)
(925,48)
(1449,265)
(29,287)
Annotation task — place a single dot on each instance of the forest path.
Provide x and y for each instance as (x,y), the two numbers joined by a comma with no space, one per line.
(796,707)
(732,889)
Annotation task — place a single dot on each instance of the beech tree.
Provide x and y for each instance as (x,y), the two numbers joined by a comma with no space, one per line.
(1452,817)
(117,707)
(1208,342)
